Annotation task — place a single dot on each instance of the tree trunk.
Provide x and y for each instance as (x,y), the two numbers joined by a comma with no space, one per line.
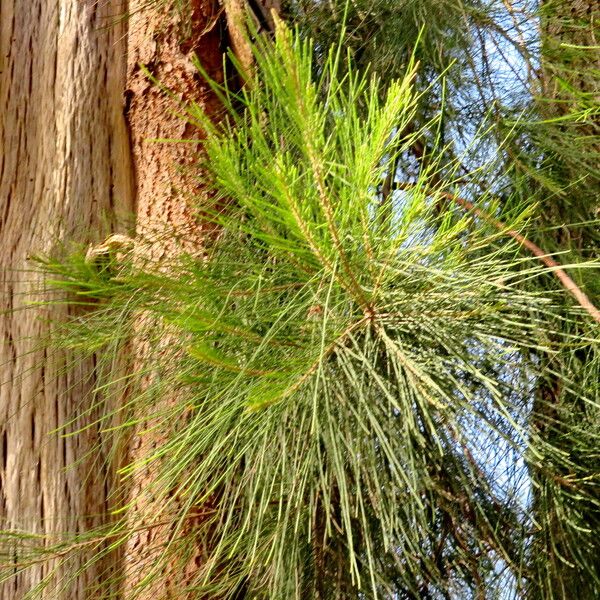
(65,171)
(569,82)
(166,226)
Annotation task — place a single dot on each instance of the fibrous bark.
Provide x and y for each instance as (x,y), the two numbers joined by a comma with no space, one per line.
(65,171)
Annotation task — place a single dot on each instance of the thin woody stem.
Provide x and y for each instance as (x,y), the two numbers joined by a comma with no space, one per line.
(543,256)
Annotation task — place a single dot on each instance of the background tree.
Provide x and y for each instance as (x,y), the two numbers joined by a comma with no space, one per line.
(565,143)
(541,60)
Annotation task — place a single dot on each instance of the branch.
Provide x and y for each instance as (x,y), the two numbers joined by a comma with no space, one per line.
(544,257)
(239,13)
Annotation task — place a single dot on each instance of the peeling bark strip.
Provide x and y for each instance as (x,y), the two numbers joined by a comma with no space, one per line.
(165,227)
(64,169)
(239,12)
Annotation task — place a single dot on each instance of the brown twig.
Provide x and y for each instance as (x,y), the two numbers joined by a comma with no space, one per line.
(543,256)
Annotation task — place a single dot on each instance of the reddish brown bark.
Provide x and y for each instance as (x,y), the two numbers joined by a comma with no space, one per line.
(166,226)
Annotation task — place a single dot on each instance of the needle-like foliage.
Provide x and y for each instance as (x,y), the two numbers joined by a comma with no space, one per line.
(349,375)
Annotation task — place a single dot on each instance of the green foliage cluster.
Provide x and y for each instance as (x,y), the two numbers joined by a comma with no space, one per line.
(345,383)
(361,389)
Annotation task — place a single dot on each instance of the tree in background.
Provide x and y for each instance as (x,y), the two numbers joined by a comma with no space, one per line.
(561,174)
(377,381)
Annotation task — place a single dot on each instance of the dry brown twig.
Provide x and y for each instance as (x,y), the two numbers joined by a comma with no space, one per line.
(556,268)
